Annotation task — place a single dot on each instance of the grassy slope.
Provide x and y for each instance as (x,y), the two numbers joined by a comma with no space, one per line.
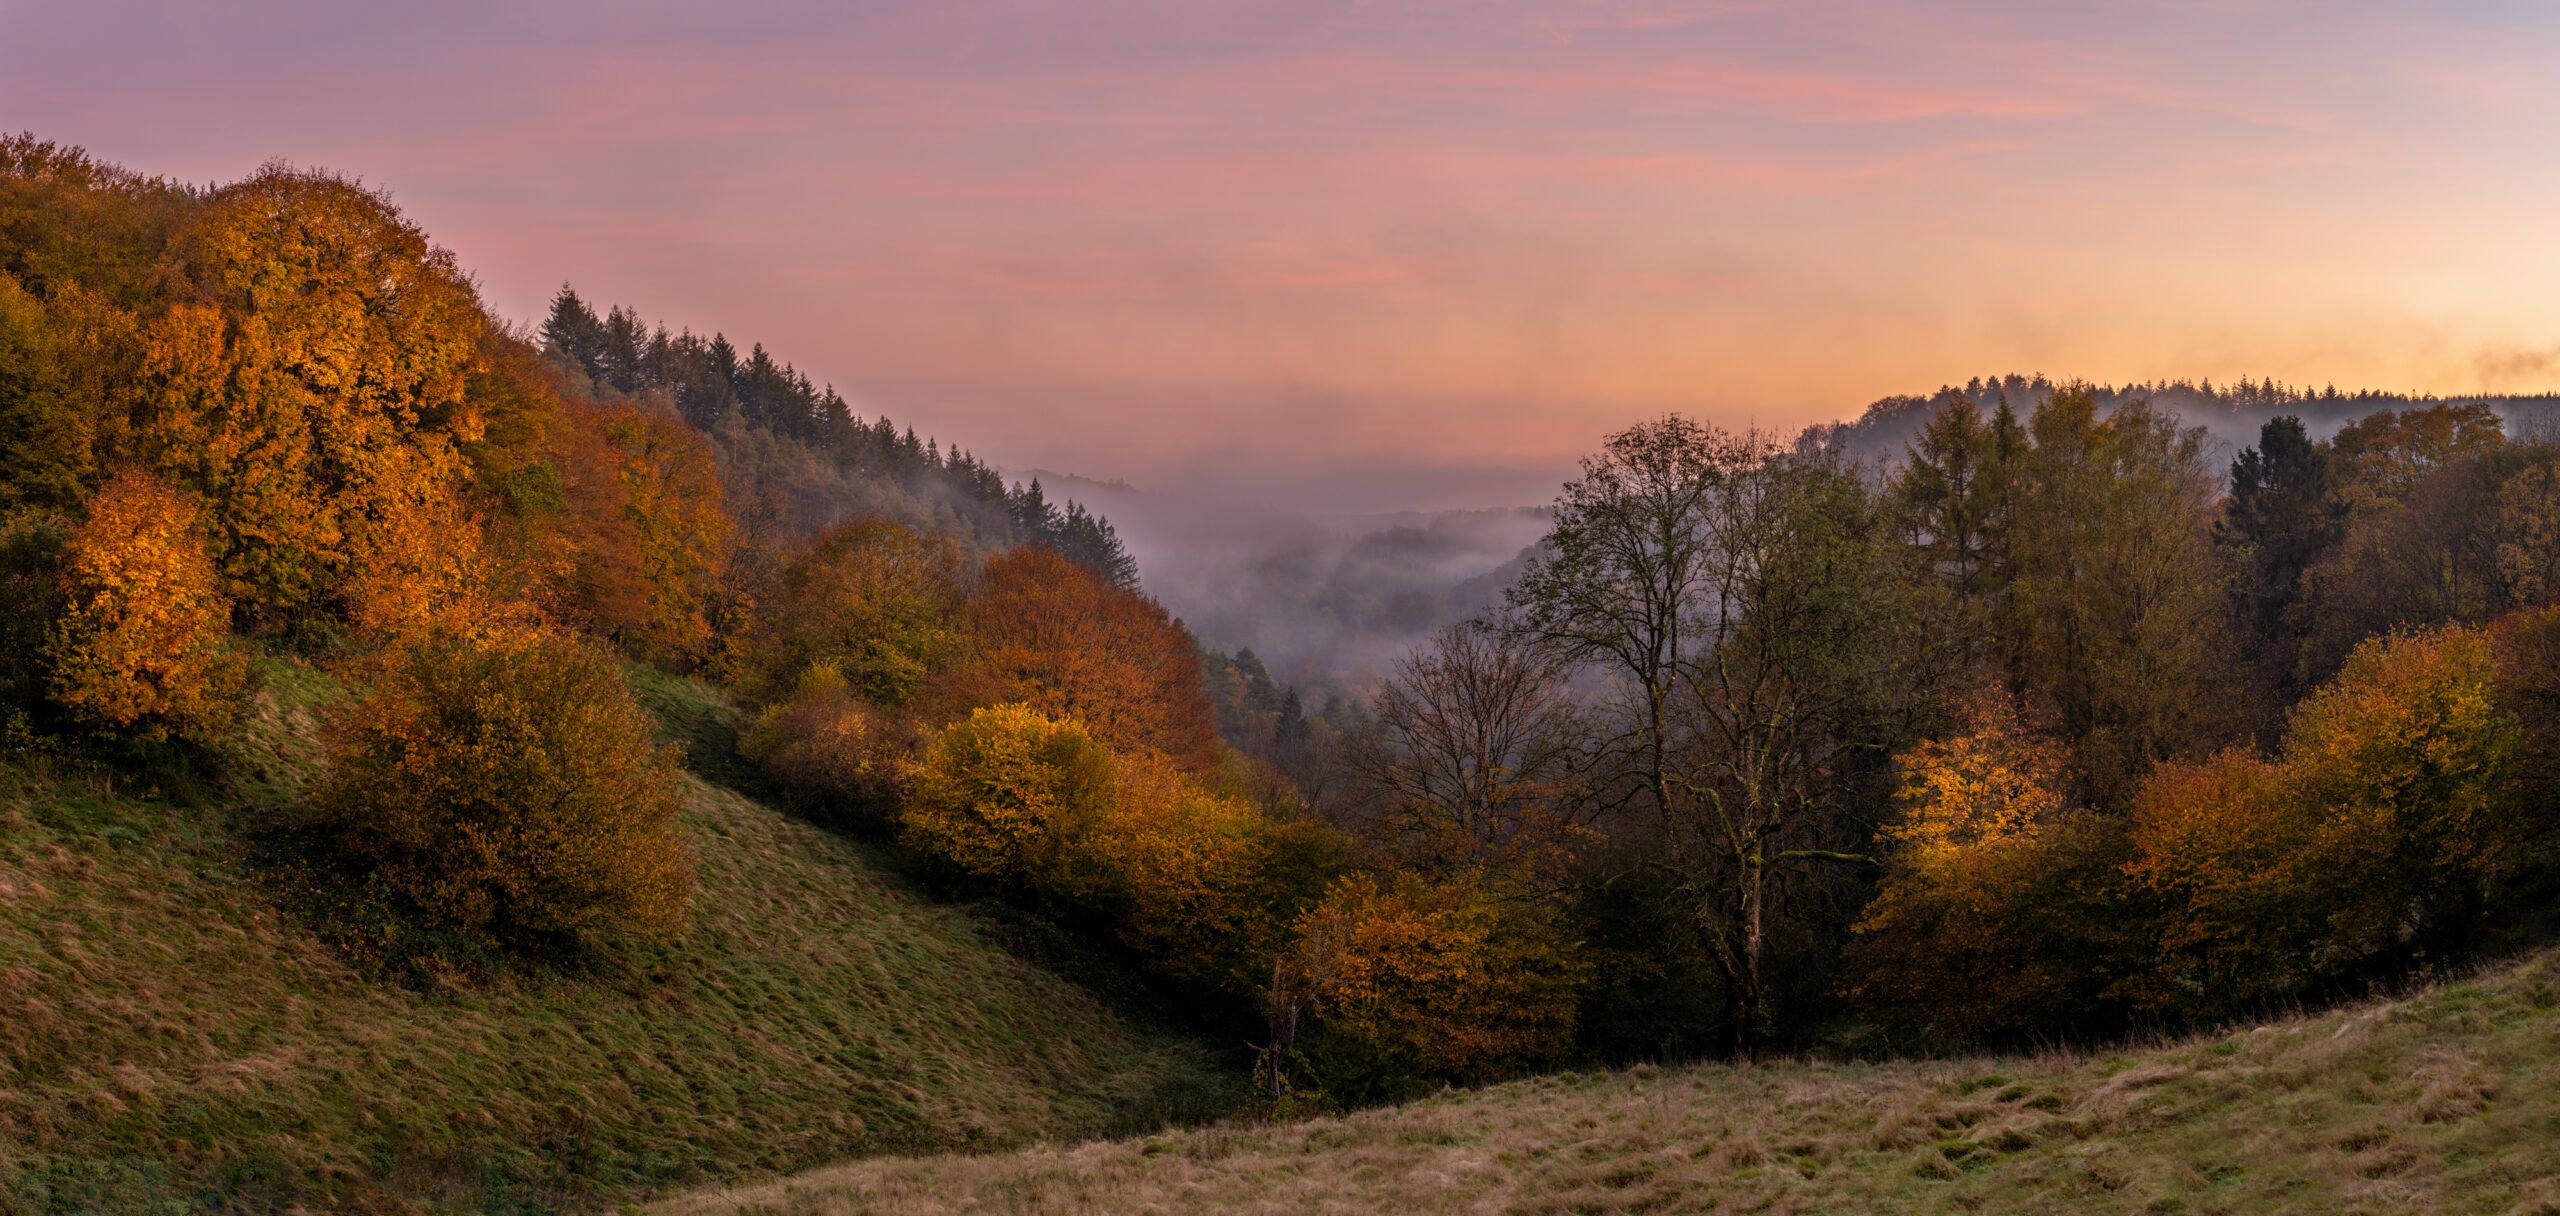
(170,1041)
(2447,1102)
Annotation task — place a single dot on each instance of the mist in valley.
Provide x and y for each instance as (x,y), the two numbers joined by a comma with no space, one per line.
(1327,602)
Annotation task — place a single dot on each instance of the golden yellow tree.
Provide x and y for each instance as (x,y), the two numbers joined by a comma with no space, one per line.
(141,644)
(1993,908)
(1003,794)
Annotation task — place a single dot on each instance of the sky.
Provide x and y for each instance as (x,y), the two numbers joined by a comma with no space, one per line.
(1375,256)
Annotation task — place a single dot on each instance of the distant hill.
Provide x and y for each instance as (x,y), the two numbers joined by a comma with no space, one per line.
(2439,1103)
(2233,412)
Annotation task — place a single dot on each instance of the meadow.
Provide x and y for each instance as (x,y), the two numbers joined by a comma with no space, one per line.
(2441,1101)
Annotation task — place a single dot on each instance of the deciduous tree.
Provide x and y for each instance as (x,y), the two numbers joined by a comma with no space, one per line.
(141,643)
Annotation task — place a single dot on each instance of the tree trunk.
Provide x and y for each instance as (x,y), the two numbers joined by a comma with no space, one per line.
(1739,955)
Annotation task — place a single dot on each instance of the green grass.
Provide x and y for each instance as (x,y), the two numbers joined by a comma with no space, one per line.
(2448,1101)
(172,1040)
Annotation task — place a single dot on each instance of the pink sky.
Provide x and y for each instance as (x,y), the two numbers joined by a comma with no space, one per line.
(1365,256)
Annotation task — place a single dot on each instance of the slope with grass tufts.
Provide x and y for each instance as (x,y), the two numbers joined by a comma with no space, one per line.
(173,1039)
(2445,1102)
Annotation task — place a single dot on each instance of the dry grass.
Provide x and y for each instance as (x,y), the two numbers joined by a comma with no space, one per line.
(2445,1103)
(171,1042)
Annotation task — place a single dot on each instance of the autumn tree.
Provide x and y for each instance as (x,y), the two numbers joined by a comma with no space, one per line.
(1187,873)
(2385,455)
(1013,801)
(1410,982)
(1004,795)
(140,645)
(880,604)
(2383,826)
(2526,531)
(1048,633)
(310,384)
(45,445)
(2451,548)
(1747,601)
(2001,909)
(647,530)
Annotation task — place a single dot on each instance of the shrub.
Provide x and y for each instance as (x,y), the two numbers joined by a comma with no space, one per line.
(511,786)
(832,751)
(140,646)
(1412,979)
(1002,797)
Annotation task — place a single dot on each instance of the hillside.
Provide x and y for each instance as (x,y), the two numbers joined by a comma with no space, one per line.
(173,1042)
(2440,1103)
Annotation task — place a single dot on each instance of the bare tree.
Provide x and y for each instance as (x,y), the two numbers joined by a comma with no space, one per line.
(1475,758)
(1747,601)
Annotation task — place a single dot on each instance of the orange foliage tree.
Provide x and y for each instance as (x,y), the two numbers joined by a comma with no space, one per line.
(1412,981)
(1997,892)
(140,645)
(312,385)
(1044,632)
(647,533)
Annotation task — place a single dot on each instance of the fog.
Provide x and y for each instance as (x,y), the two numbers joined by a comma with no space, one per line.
(1327,601)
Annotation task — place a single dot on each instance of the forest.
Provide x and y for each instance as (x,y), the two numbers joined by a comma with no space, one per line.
(2049,725)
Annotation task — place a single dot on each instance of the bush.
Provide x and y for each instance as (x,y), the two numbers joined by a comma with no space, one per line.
(831,751)
(1413,981)
(140,646)
(1002,797)
(511,786)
